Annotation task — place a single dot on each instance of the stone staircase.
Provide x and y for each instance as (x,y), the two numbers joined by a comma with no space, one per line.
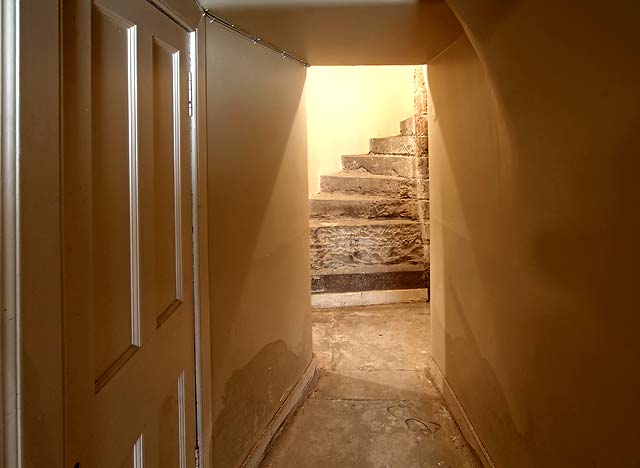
(367,222)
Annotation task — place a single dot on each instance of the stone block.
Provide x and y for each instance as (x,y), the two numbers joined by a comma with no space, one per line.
(354,243)
(422,167)
(389,165)
(421,145)
(422,125)
(402,144)
(423,210)
(407,127)
(422,189)
(367,184)
(329,206)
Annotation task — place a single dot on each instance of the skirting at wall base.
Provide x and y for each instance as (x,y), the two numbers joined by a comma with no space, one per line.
(459,414)
(365,298)
(289,406)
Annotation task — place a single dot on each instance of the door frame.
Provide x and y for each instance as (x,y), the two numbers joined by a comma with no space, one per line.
(10,339)
(31,349)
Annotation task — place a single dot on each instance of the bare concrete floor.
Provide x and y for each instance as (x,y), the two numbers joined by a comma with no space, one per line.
(374,405)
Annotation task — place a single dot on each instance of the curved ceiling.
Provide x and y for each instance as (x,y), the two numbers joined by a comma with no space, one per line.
(353,32)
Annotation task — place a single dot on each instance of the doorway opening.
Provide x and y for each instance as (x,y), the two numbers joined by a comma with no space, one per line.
(375,403)
(368,185)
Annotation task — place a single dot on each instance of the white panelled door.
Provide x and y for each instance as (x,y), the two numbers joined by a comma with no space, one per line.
(127,249)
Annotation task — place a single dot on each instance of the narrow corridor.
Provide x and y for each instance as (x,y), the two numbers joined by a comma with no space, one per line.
(373,406)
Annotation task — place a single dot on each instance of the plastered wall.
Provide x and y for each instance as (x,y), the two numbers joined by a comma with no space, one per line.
(534,231)
(348,105)
(258,240)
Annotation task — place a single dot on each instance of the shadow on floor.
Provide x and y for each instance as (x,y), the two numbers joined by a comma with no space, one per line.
(374,405)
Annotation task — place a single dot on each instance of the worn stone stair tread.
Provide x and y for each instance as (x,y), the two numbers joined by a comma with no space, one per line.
(398,144)
(369,269)
(380,155)
(369,184)
(316,223)
(364,175)
(334,205)
(324,196)
(392,165)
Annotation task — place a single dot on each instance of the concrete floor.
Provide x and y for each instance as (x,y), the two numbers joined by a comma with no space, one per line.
(374,406)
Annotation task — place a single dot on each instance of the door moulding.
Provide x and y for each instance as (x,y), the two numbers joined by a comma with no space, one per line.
(185,14)
(10,344)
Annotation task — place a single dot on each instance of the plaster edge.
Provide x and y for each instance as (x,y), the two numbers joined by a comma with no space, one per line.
(291,403)
(459,414)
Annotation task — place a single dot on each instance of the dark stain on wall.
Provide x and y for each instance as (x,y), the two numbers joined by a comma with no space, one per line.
(251,397)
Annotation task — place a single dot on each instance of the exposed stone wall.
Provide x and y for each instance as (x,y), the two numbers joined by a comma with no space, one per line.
(420,110)
(422,154)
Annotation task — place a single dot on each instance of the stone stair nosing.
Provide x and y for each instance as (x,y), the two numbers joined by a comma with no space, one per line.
(387,164)
(381,164)
(368,184)
(328,205)
(399,144)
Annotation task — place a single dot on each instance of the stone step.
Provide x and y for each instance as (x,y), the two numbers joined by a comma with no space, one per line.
(389,165)
(386,164)
(329,205)
(368,184)
(406,127)
(339,243)
(368,278)
(402,144)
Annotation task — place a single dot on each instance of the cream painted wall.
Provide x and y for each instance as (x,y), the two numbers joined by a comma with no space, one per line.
(348,105)
(534,233)
(258,238)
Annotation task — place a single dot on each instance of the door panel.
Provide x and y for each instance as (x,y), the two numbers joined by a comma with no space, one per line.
(166,134)
(114,191)
(127,274)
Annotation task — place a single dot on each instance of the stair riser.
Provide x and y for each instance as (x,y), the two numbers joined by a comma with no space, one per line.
(368,282)
(398,166)
(347,246)
(363,209)
(393,145)
(394,188)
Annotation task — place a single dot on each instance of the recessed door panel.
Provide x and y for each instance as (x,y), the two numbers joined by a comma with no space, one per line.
(114,192)
(135,459)
(172,429)
(166,162)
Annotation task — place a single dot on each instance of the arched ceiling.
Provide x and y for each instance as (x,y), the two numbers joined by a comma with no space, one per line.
(351,32)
